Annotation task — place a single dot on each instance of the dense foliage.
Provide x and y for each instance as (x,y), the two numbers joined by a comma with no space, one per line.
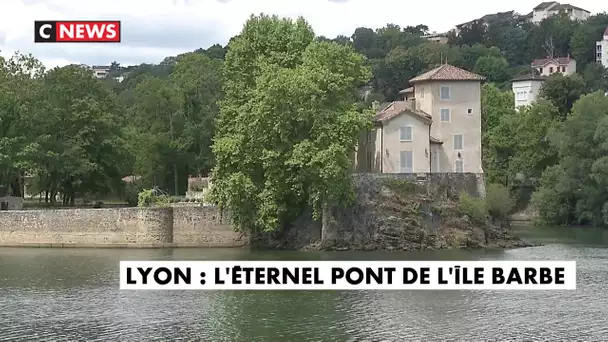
(288,124)
(272,115)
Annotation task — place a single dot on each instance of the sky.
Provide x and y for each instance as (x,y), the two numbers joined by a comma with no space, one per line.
(154,29)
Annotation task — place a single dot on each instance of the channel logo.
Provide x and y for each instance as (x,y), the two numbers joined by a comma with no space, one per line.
(77,31)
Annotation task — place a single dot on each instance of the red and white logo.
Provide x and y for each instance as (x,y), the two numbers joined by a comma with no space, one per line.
(77,31)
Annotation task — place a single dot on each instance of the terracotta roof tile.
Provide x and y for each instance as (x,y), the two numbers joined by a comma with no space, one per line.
(544,5)
(397,108)
(558,60)
(447,72)
(568,6)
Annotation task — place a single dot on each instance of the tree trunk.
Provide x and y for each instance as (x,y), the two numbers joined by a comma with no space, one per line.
(175,185)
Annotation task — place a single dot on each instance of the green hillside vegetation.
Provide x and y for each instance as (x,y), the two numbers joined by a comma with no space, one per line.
(275,114)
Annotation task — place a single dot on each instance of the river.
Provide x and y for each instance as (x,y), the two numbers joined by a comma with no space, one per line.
(73,295)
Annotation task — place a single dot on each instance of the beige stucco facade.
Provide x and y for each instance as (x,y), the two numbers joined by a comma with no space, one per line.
(552,67)
(464,106)
(572,12)
(398,155)
(449,140)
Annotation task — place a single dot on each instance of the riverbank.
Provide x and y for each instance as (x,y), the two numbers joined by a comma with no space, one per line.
(399,212)
(390,212)
(177,226)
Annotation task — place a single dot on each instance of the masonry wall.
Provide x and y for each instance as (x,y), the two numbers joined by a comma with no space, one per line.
(124,227)
(206,226)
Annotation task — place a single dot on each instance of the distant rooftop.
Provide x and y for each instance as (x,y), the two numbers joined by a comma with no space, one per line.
(530,77)
(557,60)
(544,5)
(407,90)
(447,72)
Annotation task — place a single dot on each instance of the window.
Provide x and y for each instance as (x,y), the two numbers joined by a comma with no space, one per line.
(407,161)
(405,133)
(599,48)
(444,93)
(458,141)
(421,92)
(445,114)
(550,70)
(459,166)
(540,70)
(563,69)
(470,111)
(599,55)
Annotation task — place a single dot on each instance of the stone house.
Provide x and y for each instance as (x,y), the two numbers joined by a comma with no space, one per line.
(551,65)
(548,9)
(438,129)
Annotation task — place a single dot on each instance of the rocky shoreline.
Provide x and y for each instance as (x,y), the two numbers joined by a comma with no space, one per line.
(388,216)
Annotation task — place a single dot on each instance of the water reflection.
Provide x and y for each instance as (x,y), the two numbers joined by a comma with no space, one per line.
(72,295)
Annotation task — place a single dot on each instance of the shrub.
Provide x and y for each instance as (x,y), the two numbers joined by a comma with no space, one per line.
(403,187)
(473,207)
(499,202)
(148,198)
(131,194)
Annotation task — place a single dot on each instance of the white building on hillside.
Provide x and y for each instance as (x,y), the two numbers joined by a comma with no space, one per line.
(601,50)
(101,71)
(526,89)
(548,9)
(549,66)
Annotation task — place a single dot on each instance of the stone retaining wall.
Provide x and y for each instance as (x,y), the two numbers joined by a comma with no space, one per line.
(124,227)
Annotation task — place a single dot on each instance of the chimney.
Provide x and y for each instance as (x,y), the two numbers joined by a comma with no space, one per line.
(375,105)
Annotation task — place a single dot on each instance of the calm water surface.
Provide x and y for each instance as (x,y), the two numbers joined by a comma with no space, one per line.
(72,295)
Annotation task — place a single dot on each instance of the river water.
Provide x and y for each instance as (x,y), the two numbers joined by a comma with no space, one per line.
(73,295)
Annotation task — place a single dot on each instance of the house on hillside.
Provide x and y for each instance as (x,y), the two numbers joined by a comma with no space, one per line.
(101,71)
(438,129)
(526,89)
(551,65)
(601,50)
(548,9)
(441,38)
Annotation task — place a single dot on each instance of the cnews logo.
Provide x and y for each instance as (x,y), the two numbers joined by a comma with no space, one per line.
(77,31)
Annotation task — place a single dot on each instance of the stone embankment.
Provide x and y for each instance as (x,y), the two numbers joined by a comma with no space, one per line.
(399,212)
(179,226)
(391,212)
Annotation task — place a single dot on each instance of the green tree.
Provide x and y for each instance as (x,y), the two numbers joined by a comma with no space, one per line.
(199,79)
(574,191)
(79,141)
(495,69)
(498,109)
(288,124)
(563,91)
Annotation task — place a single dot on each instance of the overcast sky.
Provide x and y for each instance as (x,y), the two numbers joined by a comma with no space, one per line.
(154,29)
